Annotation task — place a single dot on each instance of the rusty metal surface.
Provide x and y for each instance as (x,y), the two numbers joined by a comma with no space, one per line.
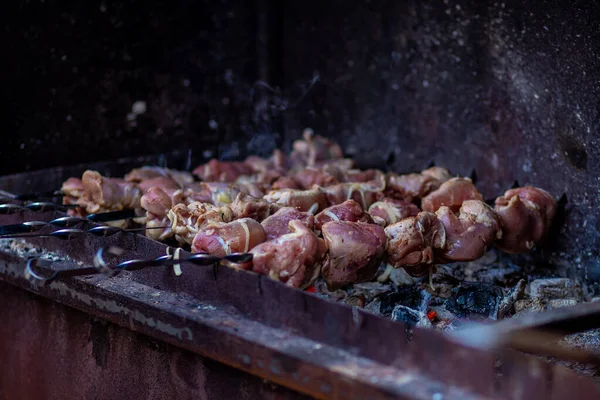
(55,352)
(319,368)
(225,334)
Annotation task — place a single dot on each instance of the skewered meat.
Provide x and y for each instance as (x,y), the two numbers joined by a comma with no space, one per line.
(258,164)
(246,206)
(340,164)
(526,214)
(304,200)
(221,239)
(310,176)
(278,224)
(187,220)
(108,194)
(391,210)
(413,186)
(451,193)
(365,193)
(219,193)
(369,175)
(285,182)
(157,203)
(222,171)
(354,252)
(292,258)
(469,233)
(313,148)
(72,189)
(166,184)
(349,210)
(222,214)
(412,242)
(148,172)
(438,173)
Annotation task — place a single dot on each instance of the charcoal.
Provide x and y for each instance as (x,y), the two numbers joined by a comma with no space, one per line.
(474,300)
(505,274)
(555,288)
(409,296)
(400,277)
(369,290)
(410,316)
(560,303)
(528,305)
(374,307)
(507,304)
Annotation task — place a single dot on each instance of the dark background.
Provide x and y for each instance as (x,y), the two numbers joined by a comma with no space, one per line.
(510,88)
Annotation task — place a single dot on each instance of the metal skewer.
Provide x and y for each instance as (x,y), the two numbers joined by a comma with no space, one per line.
(65,222)
(102,267)
(71,233)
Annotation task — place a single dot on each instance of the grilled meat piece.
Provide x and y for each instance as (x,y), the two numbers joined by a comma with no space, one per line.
(526,214)
(365,193)
(107,194)
(390,210)
(304,200)
(349,210)
(369,175)
(222,171)
(469,233)
(310,176)
(438,173)
(157,204)
(187,220)
(410,187)
(451,194)
(354,252)
(340,164)
(219,193)
(148,172)
(285,182)
(313,148)
(292,258)
(221,239)
(278,224)
(412,242)
(72,189)
(164,183)
(246,206)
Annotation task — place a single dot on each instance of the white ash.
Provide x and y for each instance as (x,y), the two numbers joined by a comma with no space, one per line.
(26,250)
(555,288)
(560,303)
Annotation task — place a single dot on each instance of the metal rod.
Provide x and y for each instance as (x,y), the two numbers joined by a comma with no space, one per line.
(71,233)
(65,222)
(102,267)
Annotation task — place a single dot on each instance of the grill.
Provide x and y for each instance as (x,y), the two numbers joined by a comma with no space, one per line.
(483,95)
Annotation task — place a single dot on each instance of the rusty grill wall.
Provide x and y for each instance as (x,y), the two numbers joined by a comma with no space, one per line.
(508,88)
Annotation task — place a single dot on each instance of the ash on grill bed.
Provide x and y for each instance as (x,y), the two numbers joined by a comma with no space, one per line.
(488,289)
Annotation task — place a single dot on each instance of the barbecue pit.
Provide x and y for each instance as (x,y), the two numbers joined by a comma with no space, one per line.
(511,134)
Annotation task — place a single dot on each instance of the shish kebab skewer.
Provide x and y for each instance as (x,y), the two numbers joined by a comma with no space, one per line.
(452,224)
